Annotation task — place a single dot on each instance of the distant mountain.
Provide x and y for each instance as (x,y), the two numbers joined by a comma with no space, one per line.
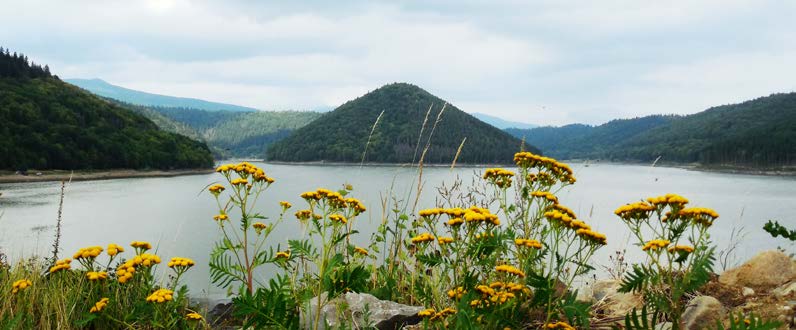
(500,122)
(48,124)
(230,134)
(757,133)
(342,135)
(105,89)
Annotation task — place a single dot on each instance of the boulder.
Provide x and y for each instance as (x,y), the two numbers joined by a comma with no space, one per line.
(360,311)
(610,302)
(748,292)
(786,290)
(763,272)
(702,312)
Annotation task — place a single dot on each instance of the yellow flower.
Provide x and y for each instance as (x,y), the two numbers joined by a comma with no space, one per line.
(99,306)
(668,199)
(424,237)
(338,218)
(64,264)
(303,214)
(193,316)
(700,215)
(445,240)
(455,222)
(20,285)
(114,249)
(499,177)
(216,189)
(283,254)
(681,248)
(88,253)
(160,296)
(239,182)
(592,236)
(443,313)
(656,244)
(479,214)
(361,251)
(220,217)
(559,325)
(427,313)
(456,293)
(96,276)
(285,205)
(180,264)
(510,269)
(259,226)
(531,243)
(635,211)
(142,245)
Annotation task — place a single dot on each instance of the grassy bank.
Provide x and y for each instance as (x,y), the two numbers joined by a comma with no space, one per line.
(58,175)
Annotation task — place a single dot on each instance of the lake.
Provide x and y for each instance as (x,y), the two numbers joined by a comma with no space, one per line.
(175,214)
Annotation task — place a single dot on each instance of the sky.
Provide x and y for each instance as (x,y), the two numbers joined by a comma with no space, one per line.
(543,62)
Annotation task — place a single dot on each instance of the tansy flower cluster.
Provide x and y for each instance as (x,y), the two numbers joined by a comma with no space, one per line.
(360,251)
(180,265)
(334,199)
(559,170)
(141,245)
(285,205)
(20,285)
(545,195)
(456,293)
(445,240)
(490,296)
(499,177)
(668,199)
(193,316)
(635,211)
(216,189)
(64,264)
(592,236)
(96,276)
(531,243)
(559,325)
(259,227)
(338,218)
(681,248)
(424,237)
(160,296)
(126,270)
(510,270)
(656,244)
(88,252)
(99,306)
(244,170)
(114,249)
(433,315)
(700,215)
(283,254)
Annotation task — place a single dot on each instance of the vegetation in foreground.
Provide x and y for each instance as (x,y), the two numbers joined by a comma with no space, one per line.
(48,124)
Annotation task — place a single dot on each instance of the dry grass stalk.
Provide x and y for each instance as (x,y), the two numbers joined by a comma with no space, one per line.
(458,152)
(373,129)
(420,136)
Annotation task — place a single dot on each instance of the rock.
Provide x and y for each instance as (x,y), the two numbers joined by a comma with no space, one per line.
(361,310)
(786,290)
(585,294)
(763,272)
(221,314)
(748,292)
(611,302)
(702,312)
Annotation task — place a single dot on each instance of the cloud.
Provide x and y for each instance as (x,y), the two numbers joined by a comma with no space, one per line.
(583,61)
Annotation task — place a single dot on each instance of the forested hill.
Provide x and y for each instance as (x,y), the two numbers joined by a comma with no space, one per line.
(228,133)
(48,124)
(757,133)
(341,135)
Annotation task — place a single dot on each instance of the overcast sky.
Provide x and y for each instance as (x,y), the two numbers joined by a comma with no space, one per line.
(545,62)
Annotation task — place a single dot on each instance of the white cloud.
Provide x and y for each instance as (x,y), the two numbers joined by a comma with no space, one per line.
(582,61)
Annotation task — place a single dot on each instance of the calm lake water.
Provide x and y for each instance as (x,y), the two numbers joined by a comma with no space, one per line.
(175,214)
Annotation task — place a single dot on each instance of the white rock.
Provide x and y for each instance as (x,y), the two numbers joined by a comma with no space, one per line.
(748,292)
(789,289)
(702,312)
(351,308)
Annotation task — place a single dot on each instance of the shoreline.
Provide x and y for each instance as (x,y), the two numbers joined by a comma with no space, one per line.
(84,175)
(782,172)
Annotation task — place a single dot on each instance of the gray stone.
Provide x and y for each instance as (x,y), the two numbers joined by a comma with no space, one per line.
(612,302)
(702,312)
(664,326)
(786,290)
(359,311)
(765,271)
